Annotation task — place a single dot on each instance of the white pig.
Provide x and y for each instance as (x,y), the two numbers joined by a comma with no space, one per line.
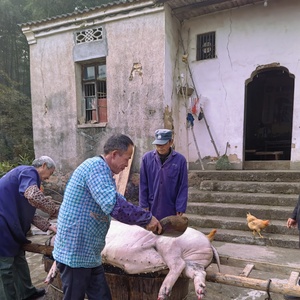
(136,250)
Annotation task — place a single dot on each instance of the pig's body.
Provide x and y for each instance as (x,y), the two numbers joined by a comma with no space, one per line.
(136,250)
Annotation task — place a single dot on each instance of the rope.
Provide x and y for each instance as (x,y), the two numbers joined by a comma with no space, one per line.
(268,290)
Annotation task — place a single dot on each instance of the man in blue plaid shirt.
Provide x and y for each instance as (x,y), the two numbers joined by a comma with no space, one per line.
(90,200)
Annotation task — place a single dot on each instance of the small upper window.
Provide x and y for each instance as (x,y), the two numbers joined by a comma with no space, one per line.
(89,35)
(206,46)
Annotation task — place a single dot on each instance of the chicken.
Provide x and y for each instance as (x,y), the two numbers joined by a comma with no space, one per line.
(256,225)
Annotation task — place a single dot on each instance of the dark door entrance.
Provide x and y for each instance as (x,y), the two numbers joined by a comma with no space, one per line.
(269,115)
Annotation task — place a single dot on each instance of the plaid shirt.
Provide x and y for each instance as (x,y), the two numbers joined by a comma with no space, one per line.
(84,216)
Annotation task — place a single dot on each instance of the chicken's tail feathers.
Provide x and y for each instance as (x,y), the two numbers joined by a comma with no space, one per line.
(211,235)
(250,217)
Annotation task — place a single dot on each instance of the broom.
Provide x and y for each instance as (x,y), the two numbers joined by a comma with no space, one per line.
(223,162)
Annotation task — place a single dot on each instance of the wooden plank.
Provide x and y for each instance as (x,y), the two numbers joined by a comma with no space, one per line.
(294,278)
(122,177)
(247,270)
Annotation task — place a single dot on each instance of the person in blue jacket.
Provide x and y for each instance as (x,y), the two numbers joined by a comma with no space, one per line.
(163,186)
(294,219)
(20,196)
(90,200)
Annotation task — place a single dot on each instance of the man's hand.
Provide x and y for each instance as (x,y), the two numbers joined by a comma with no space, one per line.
(52,227)
(154,226)
(291,223)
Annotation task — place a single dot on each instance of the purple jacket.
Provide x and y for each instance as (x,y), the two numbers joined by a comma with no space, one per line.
(16,213)
(296,213)
(163,188)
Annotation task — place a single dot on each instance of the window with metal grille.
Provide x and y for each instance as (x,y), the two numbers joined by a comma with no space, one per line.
(89,35)
(94,92)
(206,46)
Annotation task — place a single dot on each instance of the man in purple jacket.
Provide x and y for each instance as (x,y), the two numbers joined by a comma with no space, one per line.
(20,196)
(163,178)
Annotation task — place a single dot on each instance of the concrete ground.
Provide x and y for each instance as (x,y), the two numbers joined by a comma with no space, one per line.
(272,263)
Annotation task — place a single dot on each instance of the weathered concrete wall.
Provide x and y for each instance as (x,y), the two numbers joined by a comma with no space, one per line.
(54,99)
(246,38)
(136,100)
(141,101)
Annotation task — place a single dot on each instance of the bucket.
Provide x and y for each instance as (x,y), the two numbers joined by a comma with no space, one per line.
(125,286)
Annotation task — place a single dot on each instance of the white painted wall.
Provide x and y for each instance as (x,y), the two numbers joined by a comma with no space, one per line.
(246,38)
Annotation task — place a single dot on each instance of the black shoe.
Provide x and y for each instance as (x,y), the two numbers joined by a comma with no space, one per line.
(38,293)
(286,297)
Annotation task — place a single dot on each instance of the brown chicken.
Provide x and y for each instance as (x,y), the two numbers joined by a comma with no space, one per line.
(256,225)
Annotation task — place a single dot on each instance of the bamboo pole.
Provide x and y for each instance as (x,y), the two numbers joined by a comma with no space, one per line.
(195,89)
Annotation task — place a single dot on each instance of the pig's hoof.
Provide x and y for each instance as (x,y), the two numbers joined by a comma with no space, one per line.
(200,294)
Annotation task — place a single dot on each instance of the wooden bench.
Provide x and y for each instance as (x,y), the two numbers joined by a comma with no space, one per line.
(276,154)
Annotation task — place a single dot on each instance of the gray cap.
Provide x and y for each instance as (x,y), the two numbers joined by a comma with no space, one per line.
(162,136)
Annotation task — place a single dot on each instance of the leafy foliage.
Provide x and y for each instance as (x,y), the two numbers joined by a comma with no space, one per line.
(15,103)
(5,166)
(15,122)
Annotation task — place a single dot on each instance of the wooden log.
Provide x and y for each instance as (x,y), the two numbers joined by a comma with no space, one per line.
(253,283)
(36,248)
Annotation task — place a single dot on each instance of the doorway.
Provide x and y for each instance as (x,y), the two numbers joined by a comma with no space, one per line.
(269,105)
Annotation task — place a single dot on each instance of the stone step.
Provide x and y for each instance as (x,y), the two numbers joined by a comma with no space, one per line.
(196,195)
(269,212)
(221,200)
(251,187)
(246,237)
(197,176)
(236,223)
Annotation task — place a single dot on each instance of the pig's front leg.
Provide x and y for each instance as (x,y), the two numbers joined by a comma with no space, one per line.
(196,272)
(172,258)
(176,268)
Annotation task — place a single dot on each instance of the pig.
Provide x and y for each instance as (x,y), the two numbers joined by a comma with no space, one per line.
(136,250)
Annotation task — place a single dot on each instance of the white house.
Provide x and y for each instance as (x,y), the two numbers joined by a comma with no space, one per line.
(126,66)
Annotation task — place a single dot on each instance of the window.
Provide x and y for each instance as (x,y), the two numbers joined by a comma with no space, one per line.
(206,46)
(94,92)
(89,35)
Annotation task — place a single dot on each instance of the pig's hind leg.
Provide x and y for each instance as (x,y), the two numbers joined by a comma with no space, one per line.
(197,273)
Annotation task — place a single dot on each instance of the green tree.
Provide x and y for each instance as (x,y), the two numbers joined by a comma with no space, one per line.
(15,104)
(15,122)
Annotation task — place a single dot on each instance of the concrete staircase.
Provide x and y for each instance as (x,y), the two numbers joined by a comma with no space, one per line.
(221,200)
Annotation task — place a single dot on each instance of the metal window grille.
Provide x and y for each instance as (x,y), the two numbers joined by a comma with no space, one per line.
(90,101)
(89,35)
(94,92)
(206,46)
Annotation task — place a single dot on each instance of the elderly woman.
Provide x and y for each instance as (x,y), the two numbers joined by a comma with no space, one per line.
(20,196)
